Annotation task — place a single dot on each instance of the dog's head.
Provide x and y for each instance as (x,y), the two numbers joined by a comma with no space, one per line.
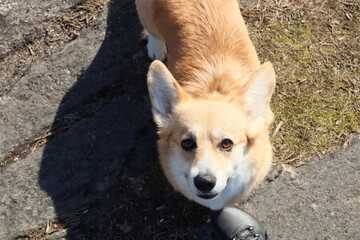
(204,143)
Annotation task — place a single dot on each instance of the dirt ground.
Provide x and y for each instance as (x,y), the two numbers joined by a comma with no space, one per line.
(315,48)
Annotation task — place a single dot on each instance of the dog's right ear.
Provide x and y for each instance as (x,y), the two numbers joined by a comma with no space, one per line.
(164,92)
(258,91)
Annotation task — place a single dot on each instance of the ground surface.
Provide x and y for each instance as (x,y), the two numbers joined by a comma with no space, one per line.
(77,143)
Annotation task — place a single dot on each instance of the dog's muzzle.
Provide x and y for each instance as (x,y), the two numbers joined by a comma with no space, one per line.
(205,183)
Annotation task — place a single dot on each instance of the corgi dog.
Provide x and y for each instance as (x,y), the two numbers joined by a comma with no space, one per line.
(211,102)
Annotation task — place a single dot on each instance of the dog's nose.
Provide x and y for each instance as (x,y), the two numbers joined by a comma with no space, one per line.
(205,182)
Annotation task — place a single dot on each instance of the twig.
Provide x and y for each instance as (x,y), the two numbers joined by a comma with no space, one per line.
(277,128)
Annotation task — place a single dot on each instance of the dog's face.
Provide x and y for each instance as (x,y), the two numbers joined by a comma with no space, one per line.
(203,143)
(203,151)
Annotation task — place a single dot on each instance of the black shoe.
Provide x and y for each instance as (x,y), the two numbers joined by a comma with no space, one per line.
(231,223)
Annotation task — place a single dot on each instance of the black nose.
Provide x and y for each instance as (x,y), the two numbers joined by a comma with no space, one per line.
(205,182)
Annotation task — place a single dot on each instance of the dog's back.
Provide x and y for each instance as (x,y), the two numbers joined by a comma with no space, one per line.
(208,43)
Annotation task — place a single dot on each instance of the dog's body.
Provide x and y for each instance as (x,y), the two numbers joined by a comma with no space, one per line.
(212,103)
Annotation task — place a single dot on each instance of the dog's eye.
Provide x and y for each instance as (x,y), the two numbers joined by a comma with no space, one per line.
(188,144)
(226,144)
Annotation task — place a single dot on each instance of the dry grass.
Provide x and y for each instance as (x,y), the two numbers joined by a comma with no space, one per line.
(315,48)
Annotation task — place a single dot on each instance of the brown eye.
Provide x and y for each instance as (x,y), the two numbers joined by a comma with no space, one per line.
(188,144)
(226,144)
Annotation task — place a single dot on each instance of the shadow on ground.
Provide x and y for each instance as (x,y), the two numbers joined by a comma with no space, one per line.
(101,136)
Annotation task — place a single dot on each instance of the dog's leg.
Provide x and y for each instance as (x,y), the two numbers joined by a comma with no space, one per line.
(156,48)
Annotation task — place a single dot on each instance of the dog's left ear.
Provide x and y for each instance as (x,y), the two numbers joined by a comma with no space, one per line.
(164,92)
(258,91)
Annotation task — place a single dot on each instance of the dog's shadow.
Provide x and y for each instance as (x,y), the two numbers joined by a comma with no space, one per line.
(104,135)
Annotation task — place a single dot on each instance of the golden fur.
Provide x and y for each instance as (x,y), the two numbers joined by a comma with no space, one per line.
(209,92)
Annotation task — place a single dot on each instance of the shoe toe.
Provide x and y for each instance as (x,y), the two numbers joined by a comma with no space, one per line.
(233,223)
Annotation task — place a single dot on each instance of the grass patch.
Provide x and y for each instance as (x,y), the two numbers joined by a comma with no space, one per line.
(315,48)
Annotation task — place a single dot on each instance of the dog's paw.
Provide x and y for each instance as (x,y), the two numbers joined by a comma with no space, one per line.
(156,48)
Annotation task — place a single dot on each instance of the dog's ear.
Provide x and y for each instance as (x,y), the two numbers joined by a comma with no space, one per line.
(258,91)
(164,92)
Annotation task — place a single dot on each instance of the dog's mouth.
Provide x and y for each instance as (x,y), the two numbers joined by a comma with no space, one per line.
(207,196)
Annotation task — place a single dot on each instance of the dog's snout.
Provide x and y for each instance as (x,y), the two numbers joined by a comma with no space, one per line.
(205,183)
